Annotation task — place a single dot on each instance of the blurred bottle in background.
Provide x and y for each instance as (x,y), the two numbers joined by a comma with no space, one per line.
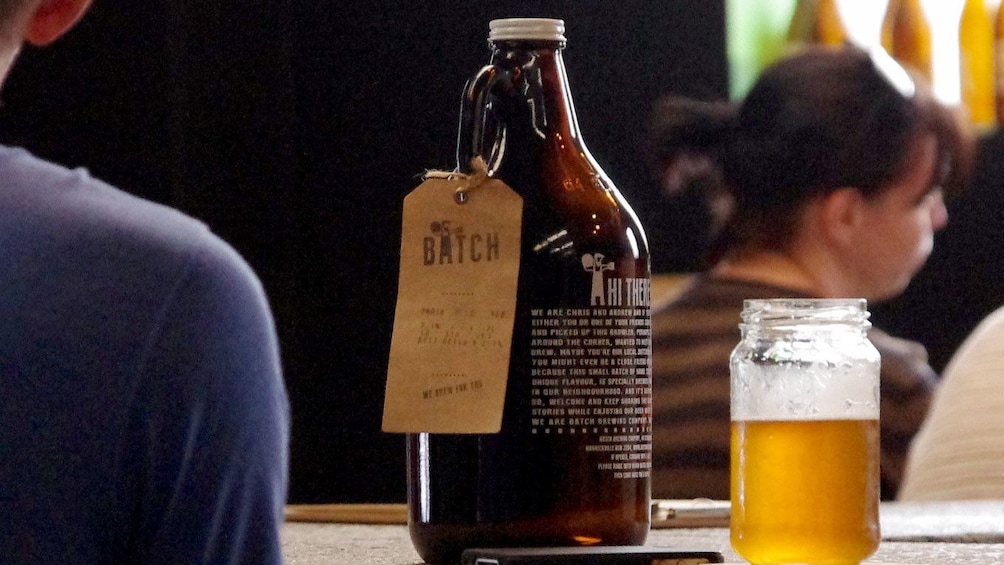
(999,62)
(816,22)
(906,35)
(956,45)
(976,64)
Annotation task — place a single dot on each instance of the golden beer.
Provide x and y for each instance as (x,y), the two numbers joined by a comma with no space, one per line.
(805,491)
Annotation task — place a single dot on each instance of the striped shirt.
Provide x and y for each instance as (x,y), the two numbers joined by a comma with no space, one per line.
(693,336)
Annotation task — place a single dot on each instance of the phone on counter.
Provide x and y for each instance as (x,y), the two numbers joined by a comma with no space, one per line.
(595,555)
(691,513)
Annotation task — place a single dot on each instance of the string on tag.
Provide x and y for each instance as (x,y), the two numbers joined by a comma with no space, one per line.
(477,177)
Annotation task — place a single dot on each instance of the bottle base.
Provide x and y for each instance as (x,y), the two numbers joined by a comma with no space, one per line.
(443,543)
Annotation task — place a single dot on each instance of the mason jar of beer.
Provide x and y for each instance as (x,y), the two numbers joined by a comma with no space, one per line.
(571,463)
(805,433)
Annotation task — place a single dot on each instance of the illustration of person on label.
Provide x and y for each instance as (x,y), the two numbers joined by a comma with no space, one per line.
(593,263)
(445,231)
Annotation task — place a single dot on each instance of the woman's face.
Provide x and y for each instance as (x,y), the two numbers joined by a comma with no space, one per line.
(899,225)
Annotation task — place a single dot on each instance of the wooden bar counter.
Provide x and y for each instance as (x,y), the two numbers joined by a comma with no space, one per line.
(936,533)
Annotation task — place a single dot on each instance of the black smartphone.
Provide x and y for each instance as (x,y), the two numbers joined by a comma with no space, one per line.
(595,555)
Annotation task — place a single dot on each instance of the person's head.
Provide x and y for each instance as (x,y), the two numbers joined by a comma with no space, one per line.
(824,140)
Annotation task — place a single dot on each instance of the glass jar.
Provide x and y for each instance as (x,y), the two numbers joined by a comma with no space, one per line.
(805,432)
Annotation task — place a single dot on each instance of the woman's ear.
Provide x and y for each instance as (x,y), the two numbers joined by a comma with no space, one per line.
(841,216)
(53,18)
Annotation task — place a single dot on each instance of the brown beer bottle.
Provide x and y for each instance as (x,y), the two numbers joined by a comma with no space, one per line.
(976,64)
(999,63)
(571,463)
(816,22)
(906,35)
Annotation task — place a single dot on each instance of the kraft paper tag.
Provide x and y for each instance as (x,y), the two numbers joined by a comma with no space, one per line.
(449,358)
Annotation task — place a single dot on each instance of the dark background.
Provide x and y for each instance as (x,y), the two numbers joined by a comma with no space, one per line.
(294,129)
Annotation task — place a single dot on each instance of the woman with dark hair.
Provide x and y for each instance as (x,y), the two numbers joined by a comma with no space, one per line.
(827,181)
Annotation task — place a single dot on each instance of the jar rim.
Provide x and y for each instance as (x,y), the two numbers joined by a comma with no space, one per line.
(787,311)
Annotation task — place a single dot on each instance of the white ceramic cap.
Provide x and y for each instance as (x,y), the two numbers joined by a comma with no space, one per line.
(527,29)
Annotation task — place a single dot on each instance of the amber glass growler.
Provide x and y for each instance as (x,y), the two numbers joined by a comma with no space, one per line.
(571,463)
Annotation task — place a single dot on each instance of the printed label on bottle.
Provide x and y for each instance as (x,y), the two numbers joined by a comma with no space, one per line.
(591,374)
(449,358)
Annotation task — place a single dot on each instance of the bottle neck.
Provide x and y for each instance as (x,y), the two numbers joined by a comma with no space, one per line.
(538,88)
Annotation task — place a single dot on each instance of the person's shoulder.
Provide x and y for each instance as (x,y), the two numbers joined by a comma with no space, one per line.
(65,198)
(708,292)
(990,327)
(905,367)
(982,350)
(70,206)
(897,347)
(98,232)
(704,306)
(698,291)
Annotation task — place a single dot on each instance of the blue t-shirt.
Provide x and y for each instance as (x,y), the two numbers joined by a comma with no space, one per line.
(143,416)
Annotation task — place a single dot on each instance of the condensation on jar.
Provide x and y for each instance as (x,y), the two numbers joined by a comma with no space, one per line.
(801,359)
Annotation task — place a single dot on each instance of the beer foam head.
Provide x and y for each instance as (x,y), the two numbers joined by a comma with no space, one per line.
(805,391)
